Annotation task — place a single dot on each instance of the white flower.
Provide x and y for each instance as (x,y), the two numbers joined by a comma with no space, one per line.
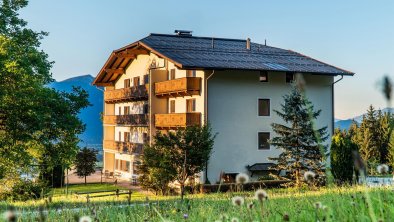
(309,176)
(85,219)
(382,169)
(237,201)
(242,178)
(260,195)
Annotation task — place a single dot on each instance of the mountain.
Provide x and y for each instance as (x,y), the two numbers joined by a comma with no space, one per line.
(90,116)
(345,124)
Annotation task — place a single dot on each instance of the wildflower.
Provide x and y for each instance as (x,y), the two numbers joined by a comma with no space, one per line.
(242,178)
(237,201)
(325,208)
(382,169)
(260,195)
(185,216)
(9,215)
(286,217)
(318,205)
(309,176)
(250,205)
(234,219)
(85,219)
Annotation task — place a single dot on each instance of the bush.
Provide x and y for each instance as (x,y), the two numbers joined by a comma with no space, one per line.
(341,157)
(25,190)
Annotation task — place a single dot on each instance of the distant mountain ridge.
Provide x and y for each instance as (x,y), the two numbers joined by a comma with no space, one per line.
(90,116)
(345,124)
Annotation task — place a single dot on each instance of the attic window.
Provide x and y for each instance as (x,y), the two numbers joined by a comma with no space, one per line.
(263,76)
(289,77)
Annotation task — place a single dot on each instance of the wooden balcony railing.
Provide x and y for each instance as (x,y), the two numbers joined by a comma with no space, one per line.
(176,120)
(134,93)
(124,147)
(178,87)
(132,119)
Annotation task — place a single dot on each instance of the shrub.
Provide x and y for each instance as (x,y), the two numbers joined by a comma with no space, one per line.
(25,190)
(341,157)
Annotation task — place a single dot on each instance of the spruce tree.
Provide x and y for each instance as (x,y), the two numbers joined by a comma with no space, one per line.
(390,155)
(341,156)
(300,143)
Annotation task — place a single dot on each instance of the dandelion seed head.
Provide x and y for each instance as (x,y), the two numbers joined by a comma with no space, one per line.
(250,205)
(237,200)
(286,217)
(260,195)
(382,169)
(85,219)
(309,176)
(242,178)
(318,205)
(9,215)
(234,219)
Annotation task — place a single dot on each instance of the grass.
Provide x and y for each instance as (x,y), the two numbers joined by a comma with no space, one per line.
(339,204)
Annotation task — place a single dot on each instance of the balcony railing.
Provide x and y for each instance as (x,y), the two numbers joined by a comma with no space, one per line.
(132,119)
(124,147)
(135,93)
(186,86)
(176,120)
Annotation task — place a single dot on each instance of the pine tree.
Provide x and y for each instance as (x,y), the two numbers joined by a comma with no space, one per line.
(299,141)
(384,131)
(341,156)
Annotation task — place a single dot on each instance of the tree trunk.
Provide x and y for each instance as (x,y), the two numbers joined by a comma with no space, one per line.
(182,190)
(85,180)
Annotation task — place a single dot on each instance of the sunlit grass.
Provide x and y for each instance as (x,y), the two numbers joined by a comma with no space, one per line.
(340,204)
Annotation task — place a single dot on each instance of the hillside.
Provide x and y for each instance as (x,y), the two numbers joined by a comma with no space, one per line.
(90,115)
(345,124)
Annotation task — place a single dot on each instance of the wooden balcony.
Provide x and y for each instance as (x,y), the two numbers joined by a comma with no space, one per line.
(177,120)
(186,86)
(132,119)
(124,147)
(134,93)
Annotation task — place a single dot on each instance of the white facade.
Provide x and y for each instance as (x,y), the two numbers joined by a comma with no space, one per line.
(233,113)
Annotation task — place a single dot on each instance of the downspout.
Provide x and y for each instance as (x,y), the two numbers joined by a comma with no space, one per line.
(206,117)
(332,102)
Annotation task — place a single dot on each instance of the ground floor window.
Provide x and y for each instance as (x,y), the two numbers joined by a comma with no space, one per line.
(122,165)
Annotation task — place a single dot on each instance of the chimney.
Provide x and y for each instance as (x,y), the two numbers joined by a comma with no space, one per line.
(248,43)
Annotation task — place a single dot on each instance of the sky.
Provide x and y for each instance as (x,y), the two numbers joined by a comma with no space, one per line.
(356,35)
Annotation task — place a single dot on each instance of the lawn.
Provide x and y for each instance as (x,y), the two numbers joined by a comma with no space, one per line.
(326,204)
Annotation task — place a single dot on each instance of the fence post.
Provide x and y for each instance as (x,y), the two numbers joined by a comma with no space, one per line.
(129,197)
(117,192)
(87,198)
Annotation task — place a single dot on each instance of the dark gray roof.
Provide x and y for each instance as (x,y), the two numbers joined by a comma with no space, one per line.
(260,167)
(197,53)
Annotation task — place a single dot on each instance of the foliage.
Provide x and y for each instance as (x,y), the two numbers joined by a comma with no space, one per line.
(178,155)
(85,162)
(341,157)
(299,141)
(24,190)
(390,156)
(372,137)
(39,125)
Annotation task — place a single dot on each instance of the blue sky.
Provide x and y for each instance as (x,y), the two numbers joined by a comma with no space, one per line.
(356,35)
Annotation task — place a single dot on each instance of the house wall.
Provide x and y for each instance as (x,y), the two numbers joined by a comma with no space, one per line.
(233,113)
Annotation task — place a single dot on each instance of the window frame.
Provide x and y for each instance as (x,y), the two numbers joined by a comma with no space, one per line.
(128,85)
(258,140)
(258,107)
(193,105)
(172,74)
(136,81)
(172,105)
(191,73)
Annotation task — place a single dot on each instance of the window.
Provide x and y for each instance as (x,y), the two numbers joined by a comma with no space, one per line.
(289,77)
(172,74)
(263,76)
(120,110)
(127,83)
(116,164)
(172,106)
(145,109)
(190,105)
(136,81)
(190,73)
(264,107)
(126,136)
(146,79)
(126,110)
(120,136)
(144,137)
(263,141)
